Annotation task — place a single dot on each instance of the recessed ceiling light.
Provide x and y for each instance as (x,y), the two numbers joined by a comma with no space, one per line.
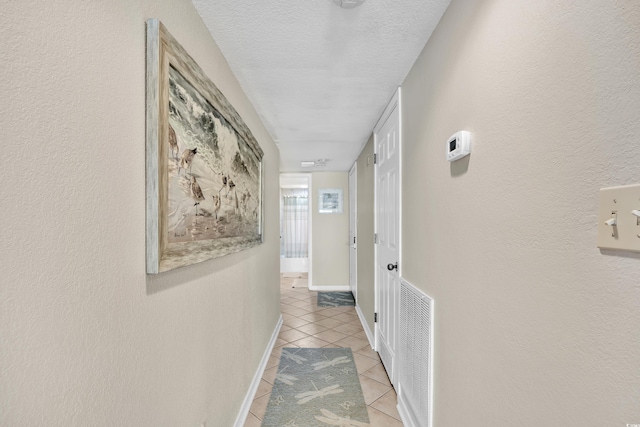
(307,164)
(348,4)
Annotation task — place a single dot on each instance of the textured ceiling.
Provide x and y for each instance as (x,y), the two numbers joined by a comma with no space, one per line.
(319,75)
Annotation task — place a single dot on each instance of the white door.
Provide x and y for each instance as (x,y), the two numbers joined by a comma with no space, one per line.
(387,181)
(353,265)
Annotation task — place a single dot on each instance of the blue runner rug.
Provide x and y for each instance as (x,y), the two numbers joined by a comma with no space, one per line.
(335,299)
(316,387)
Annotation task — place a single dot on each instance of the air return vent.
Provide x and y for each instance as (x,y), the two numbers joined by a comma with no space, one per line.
(415,356)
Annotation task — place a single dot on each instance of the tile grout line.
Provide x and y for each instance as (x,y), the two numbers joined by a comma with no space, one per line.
(304,303)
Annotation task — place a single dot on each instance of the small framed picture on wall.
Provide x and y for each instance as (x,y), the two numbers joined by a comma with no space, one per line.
(330,200)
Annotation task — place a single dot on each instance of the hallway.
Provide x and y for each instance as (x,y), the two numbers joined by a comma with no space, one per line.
(307,325)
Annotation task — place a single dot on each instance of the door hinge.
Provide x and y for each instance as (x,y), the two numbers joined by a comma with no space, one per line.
(375,317)
(375,237)
(375,158)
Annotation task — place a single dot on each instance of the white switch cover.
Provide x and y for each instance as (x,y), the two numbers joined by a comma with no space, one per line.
(618,203)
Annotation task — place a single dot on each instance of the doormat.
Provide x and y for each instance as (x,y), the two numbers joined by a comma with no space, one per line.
(316,387)
(335,299)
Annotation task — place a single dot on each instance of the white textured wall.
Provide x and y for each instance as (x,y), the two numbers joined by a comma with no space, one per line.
(330,233)
(534,325)
(86,338)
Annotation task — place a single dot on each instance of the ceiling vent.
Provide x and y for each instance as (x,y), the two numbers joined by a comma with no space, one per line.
(348,4)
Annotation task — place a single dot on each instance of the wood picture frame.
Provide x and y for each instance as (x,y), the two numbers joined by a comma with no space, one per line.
(204,174)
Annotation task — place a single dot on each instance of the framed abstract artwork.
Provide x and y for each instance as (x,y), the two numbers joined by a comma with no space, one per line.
(203,165)
(330,200)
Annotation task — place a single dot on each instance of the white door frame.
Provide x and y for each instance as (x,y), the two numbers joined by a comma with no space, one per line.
(302,180)
(353,230)
(394,103)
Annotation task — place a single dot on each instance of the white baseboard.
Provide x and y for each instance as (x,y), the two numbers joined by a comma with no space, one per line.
(406,419)
(365,326)
(248,399)
(341,288)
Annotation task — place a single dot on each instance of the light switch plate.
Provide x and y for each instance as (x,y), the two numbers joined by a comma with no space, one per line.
(618,202)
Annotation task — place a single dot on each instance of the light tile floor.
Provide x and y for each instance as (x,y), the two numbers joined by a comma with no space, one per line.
(307,325)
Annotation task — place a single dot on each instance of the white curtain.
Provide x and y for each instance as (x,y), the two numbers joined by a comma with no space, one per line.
(294,223)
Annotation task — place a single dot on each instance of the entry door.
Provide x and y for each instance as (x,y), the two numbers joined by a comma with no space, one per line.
(353,265)
(387,149)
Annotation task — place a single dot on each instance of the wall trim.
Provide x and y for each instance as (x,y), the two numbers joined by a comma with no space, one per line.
(320,288)
(365,326)
(253,388)
(404,412)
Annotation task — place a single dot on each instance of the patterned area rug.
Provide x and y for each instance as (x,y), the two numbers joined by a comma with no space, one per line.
(316,387)
(335,299)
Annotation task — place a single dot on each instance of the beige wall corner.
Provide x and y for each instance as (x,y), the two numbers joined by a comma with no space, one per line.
(330,240)
(534,325)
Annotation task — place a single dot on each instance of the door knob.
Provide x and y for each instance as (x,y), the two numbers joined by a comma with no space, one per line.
(392,267)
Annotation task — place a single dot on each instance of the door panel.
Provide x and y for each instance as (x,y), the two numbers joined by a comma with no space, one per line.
(353,264)
(388,230)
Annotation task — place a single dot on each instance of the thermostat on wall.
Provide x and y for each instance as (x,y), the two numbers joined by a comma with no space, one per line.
(458,145)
